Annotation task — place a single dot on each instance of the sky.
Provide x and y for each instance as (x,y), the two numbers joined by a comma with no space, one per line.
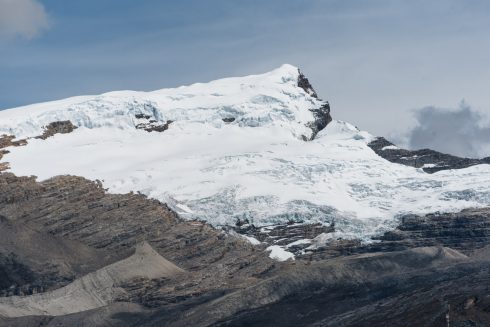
(384,65)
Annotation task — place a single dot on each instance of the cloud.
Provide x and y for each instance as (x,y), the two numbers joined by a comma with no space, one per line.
(458,131)
(25,18)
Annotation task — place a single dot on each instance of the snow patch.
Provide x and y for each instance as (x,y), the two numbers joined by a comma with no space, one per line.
(279,254)
(252,240)
(299,242)
(390,147)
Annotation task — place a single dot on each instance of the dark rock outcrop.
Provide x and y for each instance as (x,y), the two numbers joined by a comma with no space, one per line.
(154,126)
(12,274)
(284,234)
(322,119)
(9,140)
(33,261)
(57,127)
(304,83)
(429,160)
(62,127)
(6,141)
(466,231)
(321,114)
(228,119)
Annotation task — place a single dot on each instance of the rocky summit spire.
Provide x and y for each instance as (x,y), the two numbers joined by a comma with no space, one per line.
(321,114)
(304,83)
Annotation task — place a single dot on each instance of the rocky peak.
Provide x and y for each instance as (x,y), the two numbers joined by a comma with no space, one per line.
(321,114)
(305,84)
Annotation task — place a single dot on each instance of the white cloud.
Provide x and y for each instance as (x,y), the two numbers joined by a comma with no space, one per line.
(462,131)
(25,18)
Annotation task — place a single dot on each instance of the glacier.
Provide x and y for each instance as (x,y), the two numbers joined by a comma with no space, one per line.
(237,148)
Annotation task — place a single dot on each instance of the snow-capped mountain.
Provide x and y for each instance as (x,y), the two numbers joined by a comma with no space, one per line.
(253,147)
(272,100)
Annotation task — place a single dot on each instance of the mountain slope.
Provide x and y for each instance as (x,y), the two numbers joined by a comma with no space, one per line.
(231,282)
(429,160)
(95,290)
(253,148)
(33,261)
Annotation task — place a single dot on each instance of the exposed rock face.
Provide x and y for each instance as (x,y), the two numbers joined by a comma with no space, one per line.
(229,119)
(321,114)
(94,290)
(119,314)
(57,127)
(77,209)
(62,127)
(35,262)
(322,119)
(149,123)
(107,227)
(9,140)
(408,288)
(412,276)
(12,273)
(304,83)
(465,231)
(429,160)
(295,236)
(6,141)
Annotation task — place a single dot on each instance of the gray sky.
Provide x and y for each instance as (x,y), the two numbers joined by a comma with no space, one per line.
(376,61)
